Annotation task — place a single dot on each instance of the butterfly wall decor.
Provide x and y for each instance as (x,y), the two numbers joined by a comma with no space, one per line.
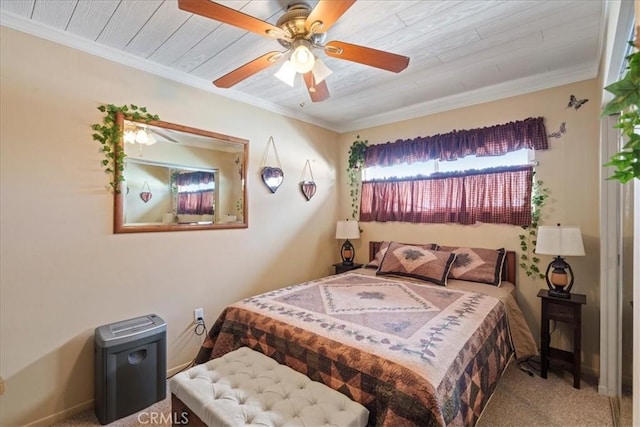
(563,129)
(575,102)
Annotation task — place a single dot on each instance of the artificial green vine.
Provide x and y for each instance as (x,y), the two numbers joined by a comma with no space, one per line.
(528,261)
(108,135)
(627,98)
(356,163)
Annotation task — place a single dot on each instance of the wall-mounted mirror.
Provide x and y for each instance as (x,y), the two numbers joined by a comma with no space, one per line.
(178,178)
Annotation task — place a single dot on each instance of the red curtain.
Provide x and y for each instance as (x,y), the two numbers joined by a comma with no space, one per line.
(196,201)
(498,195)
(490,141)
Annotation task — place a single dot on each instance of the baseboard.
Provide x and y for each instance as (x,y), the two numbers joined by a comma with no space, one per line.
(59,416)
(74,410)
(605,391)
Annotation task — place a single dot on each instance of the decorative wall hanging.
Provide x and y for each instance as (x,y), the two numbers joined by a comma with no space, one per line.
(108,135)
(575,102)
(145,192)
(272,176)
(563,129)
(308,187)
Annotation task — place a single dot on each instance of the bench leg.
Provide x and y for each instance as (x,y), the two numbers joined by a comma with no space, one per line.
(181,414)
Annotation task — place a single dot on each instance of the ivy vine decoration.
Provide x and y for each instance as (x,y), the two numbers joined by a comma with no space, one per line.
(239,207)
(354,171)
(108,134)
(528,260)
(627,102)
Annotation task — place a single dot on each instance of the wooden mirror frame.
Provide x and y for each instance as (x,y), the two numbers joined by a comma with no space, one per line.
(119,226)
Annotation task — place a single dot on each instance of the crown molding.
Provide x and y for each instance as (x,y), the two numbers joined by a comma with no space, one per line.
(55,35)
(478,96)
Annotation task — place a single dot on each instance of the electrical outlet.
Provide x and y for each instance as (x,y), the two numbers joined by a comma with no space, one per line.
(198,313)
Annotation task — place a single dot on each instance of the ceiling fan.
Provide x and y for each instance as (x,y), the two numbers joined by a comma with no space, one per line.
(299,30)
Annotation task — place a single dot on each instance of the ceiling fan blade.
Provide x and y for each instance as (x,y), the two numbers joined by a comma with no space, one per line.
(163,135)
(327,12)
(317,91)
(248,69)
(368,56)
(230,16)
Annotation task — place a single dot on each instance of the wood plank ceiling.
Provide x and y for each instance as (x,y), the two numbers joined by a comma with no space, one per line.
(462,52)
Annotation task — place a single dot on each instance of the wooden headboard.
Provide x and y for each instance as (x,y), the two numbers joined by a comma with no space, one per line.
(508,270)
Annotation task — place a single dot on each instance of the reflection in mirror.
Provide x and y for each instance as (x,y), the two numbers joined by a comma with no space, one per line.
(272,178)
(192,179)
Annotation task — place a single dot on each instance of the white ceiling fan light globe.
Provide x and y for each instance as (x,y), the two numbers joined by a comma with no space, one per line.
(129,136)
(286,73)
(151,139)
(142,137)
(302,59)
(320,71)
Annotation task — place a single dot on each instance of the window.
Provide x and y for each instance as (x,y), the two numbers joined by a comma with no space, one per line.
(497,195)
(467,176)
(195,192)
(405,170)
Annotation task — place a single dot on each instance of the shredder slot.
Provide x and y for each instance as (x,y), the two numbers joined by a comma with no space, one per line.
(128,326)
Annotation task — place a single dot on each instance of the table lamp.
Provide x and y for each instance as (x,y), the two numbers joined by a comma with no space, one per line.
(347,230)
(559,241)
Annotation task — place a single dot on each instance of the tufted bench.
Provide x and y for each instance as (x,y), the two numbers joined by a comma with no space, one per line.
(246,387)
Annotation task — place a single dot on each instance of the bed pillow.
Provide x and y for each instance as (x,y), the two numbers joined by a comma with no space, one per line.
(416,261)
(477,264)
(375,263)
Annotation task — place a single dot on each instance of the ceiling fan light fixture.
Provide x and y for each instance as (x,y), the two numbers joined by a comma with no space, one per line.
(320,71)
(142,137)
(130,136)
(151,139)
(287,73)
(302,59)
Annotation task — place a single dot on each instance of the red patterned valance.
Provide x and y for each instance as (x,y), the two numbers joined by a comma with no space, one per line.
(489,141)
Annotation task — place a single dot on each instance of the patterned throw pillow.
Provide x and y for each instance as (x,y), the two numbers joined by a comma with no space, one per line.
(375,263)
(416,261)
(477,264)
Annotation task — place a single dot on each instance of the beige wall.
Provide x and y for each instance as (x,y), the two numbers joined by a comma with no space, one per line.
(63,271)
(569,168)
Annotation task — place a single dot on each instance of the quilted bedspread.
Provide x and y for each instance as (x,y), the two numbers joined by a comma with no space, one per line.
(412,353)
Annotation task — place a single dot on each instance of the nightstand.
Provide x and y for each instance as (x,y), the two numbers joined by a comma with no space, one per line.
(340,268)
(569,311)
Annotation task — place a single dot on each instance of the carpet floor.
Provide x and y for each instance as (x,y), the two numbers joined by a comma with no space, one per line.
(519,400)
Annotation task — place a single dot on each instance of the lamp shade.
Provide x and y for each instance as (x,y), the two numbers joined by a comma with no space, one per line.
(302,59)
(287,73)
(559,240)
(347,230)
(320,71)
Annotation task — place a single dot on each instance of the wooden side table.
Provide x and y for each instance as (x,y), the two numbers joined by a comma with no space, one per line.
(341,268)
(566,310)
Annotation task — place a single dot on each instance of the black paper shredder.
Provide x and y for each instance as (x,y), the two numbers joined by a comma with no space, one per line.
(130,366)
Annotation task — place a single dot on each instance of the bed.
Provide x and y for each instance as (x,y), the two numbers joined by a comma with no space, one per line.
(412,352)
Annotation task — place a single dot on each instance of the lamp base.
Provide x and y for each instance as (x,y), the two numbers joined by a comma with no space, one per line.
(559,294)
(347,253)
